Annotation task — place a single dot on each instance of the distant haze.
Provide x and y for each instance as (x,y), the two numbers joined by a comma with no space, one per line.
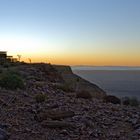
(119,81)
(125,68)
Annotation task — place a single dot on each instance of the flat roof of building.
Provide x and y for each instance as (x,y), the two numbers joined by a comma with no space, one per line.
(3,51)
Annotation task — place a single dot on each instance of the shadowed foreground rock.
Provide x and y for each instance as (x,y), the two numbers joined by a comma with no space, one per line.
(57,124)
(3,135)
(55,115)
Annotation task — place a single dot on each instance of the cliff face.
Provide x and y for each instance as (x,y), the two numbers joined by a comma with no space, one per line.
(79,83)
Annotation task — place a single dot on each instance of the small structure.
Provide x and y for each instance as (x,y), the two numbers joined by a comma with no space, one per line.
(9,58)
(3,54)
(4,58)
(14,60)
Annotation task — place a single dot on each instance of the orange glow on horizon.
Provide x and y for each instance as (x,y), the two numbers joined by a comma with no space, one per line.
(110,53)
(83,60)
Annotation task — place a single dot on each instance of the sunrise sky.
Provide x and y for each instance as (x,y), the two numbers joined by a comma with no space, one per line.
(72,32)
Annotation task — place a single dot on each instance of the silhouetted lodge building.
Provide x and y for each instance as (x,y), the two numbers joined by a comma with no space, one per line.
(3,55)
(14,60)
(4,58)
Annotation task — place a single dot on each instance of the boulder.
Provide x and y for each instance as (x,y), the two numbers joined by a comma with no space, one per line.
(3,135)
(56,124)
(55,115)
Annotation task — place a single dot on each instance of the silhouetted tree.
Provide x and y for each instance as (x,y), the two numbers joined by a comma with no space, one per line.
(30,61)
(19,57)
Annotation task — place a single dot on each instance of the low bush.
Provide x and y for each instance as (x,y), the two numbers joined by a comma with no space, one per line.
(40,98)
(65,87)
(11,80)
(126,101)
(84,94)
(6,65)
(112,99)
(134,102)
(131,101)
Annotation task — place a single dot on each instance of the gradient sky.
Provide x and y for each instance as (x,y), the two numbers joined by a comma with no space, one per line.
(73,32)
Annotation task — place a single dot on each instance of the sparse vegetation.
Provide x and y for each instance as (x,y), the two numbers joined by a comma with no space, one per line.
(126,101)
(11,80)
(84,94)
(130,101)
(65,87)
(6,65)
(112,99)
(40,98)
(134,102)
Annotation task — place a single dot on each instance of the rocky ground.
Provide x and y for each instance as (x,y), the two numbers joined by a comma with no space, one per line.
(62,116)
